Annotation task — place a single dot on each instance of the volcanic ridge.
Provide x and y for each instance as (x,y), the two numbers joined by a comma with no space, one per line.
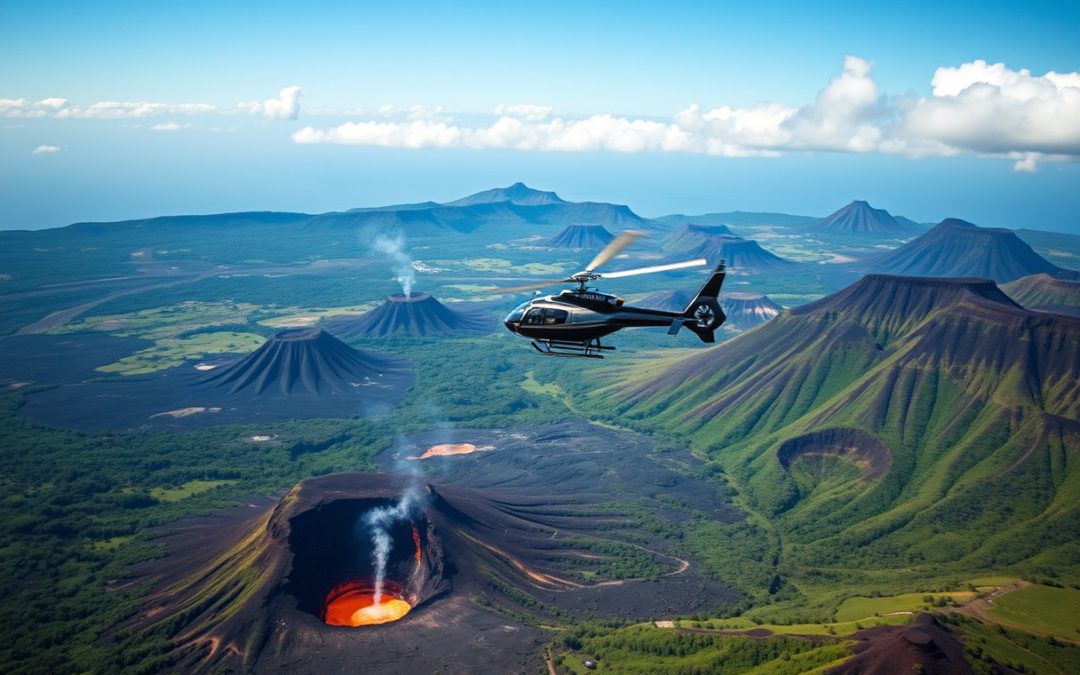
(416,314)
(957,248)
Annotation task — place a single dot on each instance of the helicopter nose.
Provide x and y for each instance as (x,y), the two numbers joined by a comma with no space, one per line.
(511,326)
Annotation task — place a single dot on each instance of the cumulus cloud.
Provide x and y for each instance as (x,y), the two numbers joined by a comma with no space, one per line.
(21,107)
(285,107)
(46,149)
(990,109)
(980,108)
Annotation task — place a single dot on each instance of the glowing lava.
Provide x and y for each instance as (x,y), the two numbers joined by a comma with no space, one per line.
(352,604)
(447,449)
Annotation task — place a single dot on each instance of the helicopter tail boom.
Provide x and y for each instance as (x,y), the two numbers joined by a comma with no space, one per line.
(703,315)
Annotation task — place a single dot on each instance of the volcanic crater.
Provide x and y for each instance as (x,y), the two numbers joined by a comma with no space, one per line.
(479,552)
(851,444)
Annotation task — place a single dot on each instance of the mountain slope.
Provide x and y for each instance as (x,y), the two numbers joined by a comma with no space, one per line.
(1044,293)
(860,218)
(742,255)
(691,235)
(417,315)
(518,193)
(956,248)
(303,361)
(581,237)
(971,402)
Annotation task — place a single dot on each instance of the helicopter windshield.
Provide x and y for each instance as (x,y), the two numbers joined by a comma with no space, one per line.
(517,313)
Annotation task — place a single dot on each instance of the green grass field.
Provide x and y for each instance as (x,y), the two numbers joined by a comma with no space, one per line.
(854,609)
(1041,609)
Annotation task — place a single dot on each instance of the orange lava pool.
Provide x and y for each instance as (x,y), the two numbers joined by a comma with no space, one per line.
(353,604)
(448,449)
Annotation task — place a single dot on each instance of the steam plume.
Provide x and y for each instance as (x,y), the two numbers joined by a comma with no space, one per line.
(394,247)
(378,522)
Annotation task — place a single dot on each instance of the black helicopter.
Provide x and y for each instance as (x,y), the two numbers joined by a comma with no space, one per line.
(572,322)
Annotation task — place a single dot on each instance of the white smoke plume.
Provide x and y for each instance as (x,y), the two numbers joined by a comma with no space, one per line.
(394,247)
(378,522)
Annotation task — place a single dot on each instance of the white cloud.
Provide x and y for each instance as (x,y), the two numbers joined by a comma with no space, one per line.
(169,126)
(980,108)
(21,107)
(46,149)
(990,109)
(133,109)
(285,107)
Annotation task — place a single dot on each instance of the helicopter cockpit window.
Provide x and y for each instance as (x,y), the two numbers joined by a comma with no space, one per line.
(515,315)
(534,317)
(554,317)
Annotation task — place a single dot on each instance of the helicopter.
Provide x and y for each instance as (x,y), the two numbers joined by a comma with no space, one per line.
(571,323)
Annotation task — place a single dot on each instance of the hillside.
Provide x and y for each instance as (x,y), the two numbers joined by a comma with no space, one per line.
(417,315)
(906,427)
(957,248)
(581,237)
(860,218)
(691,235)
(1044,293)
(742,255)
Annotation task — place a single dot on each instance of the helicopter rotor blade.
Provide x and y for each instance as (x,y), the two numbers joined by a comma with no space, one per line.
(499,290)
(614,248)
(655,268)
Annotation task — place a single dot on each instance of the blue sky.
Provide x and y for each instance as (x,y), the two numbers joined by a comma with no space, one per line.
(782,121)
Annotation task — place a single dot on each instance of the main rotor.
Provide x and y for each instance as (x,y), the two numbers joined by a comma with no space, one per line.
(589,274)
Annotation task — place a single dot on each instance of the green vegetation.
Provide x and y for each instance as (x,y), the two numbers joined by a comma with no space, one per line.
(857,608)
(1044,610)
(188,489)
(987,645)
(172,352)
(643,649)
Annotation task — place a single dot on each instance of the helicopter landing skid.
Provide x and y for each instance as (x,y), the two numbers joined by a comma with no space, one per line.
(589,349)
